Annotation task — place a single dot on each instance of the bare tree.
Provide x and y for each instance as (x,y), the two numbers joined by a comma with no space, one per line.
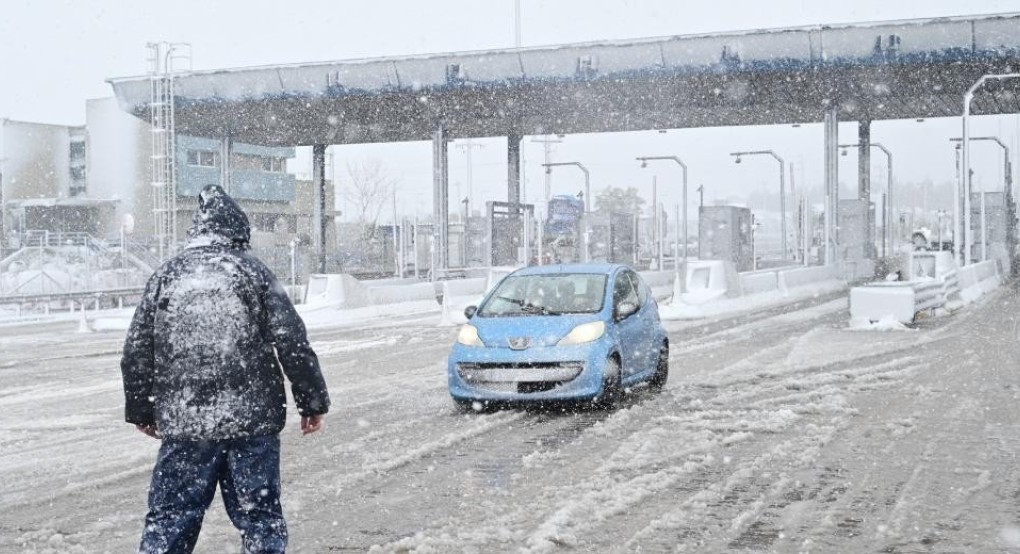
(369,188)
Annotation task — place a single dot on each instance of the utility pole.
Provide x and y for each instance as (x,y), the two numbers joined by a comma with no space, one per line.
(547,142)
(701,197)
(467,146)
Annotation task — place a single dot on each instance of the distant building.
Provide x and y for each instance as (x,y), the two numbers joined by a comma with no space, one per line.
(96,178)
(43,179)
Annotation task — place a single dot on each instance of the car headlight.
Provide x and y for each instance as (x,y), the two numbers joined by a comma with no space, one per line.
(468,336)
(581,334)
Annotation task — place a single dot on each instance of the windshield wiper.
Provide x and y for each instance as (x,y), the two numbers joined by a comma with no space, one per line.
(528,307)
(519,301)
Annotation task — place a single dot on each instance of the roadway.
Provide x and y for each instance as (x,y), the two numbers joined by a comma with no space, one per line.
(778,431)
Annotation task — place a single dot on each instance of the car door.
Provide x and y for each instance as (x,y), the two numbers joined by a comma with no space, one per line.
(628,328)
(648,318)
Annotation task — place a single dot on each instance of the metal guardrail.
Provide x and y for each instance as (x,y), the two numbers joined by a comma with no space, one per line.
(79,296)
(928,295)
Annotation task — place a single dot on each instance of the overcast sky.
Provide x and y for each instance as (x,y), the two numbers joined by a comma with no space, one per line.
(54,55)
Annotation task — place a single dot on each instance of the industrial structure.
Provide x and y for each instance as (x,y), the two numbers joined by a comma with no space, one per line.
(863,73)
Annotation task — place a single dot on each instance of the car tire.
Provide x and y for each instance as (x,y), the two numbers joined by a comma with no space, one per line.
(661,375)
(612,385)
(465,406)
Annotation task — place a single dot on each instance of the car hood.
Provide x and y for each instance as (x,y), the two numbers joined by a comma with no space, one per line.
(496,332)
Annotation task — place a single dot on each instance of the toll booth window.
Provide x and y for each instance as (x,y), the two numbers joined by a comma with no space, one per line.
(201,158)
(274,165)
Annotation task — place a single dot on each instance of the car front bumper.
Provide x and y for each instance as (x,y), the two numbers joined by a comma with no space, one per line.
(537,374)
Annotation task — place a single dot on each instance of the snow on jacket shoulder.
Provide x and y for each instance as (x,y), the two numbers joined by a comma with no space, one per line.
(209,345)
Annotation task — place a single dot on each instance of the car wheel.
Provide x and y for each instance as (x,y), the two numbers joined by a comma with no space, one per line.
(468,406)
(612,386)
(661,375)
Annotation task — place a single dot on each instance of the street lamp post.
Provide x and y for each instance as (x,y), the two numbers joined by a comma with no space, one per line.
(782,190)
(967,98)
(1008,175)
(644,163)
(890,225)
(587,200)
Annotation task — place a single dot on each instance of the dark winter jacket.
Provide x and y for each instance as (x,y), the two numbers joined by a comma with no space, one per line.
(207,343)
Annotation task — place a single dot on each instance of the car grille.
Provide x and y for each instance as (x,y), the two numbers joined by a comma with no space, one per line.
(519,377)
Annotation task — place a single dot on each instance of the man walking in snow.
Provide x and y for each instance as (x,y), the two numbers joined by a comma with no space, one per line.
(202,372)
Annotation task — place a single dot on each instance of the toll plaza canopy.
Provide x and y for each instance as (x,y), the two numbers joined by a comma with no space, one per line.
(873,71)
(862,72)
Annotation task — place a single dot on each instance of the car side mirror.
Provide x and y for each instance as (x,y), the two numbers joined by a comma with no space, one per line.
(469,312)
(625,310)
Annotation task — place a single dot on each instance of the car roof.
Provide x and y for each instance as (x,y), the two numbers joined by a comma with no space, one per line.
(598,268)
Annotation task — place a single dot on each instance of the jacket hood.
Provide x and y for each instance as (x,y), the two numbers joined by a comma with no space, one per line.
(219,219)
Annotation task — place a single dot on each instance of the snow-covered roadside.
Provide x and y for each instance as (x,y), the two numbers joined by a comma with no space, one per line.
(331,316)
(690,309)
(315,317)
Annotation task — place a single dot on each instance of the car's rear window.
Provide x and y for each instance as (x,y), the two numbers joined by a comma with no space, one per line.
(548,294)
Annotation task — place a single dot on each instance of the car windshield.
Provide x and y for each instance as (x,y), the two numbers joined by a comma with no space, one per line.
(547,294)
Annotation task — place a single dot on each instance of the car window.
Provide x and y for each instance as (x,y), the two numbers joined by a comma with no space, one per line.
(624,291)
(546,294)
(640,287)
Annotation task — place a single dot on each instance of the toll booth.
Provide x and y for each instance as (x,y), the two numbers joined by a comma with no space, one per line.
(853,230)
(998,216)
(612,237)
(724,233)
(475,243)
(509,232)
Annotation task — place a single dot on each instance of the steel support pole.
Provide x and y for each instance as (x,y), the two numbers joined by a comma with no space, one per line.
(891,230)
(957,220)
(513,162)
(831,154)
(644,161)
(984,227)
(657,224)
(319,205)
(968,97)
(782,205)
(965,175)
(683,279)
(226,153)
(440,198)
(864,183)
(587,212)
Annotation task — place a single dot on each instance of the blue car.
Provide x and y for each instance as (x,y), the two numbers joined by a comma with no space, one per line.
(544,334)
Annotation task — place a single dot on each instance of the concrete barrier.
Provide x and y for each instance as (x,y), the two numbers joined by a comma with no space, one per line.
(758,282)
(970,290)
(987,274)
(791,278)
(857,270)
(457,288)
(710,279)
(336,288)
(902,300)
(495,275)
(401,293)
(658,278)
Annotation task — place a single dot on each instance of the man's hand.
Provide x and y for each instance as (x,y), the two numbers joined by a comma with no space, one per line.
(311,424)
(149,430)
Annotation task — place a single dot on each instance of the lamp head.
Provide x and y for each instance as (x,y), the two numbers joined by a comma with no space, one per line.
(644,164)
(843,153)
(736,161)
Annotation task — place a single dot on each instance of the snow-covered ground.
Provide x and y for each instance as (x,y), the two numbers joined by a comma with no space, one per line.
(780,430)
